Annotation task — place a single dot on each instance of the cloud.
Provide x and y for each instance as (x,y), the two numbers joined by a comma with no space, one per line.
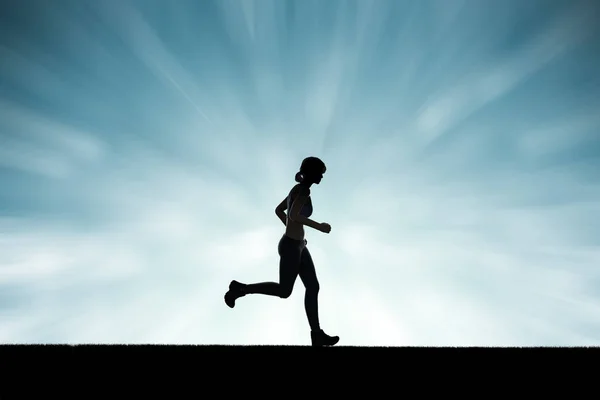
(36,144)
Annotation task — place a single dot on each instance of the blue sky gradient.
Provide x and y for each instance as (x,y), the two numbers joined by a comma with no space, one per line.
(145,144)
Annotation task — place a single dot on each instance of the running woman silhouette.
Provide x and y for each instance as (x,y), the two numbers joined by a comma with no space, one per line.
(295,259)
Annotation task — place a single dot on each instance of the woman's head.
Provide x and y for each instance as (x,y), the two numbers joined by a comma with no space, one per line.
(311,170)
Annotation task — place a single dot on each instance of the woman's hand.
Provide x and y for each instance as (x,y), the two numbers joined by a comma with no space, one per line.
(324,227)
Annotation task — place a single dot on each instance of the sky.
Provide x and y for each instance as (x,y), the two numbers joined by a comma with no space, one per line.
(144,146)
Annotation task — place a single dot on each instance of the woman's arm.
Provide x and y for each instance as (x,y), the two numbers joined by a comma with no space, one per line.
(308,222)
(295,215)
(280,211)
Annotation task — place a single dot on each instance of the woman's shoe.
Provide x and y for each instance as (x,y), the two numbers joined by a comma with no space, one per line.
(234,293)
(320,338)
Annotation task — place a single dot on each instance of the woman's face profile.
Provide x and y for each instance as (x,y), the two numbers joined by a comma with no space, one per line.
(314,173)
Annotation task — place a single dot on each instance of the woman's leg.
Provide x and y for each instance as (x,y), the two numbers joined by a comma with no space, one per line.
(288,272)
(308,275)
(290,251)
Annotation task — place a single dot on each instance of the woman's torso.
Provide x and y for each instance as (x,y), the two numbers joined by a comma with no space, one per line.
(295,230)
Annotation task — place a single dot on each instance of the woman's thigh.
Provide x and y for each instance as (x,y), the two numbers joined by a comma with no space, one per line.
(308,273)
